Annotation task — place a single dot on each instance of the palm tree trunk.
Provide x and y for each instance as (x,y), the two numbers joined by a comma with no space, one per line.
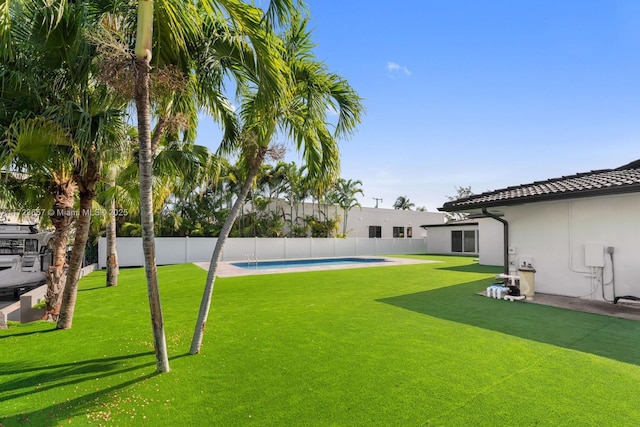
(291,219)
(344,223)
(83,222)
(112,250)
(146,212)
(205,303)
(62,217)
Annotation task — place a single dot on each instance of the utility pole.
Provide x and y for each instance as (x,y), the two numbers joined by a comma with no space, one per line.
(377,199)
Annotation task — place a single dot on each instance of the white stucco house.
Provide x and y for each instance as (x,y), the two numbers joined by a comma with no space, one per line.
(479,236)
(579,232)
(365,222)
(386,223)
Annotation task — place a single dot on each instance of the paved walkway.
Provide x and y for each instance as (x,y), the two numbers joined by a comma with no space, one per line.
(623,309)
(227,269)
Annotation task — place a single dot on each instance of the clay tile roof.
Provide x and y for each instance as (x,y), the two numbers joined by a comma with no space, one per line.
(625,179)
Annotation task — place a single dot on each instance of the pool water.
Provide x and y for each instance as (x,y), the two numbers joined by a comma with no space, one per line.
(296,263)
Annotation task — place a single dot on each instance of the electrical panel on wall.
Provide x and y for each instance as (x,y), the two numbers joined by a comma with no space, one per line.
(594,255)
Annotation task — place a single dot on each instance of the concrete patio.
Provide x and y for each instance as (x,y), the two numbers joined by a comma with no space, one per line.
(624,309)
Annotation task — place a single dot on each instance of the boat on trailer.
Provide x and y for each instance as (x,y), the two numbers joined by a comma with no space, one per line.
(25,256)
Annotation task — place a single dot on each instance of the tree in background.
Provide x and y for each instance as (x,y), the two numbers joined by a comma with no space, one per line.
(403,203)
(461,193)
(344,194)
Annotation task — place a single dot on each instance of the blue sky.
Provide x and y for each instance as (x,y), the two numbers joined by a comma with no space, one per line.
(483,94)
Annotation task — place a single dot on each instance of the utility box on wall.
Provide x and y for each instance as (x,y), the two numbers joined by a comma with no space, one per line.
(594,255)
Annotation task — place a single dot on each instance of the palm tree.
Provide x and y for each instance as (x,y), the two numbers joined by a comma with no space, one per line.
(44,180)
(89,113)
(115,195)
(345,192)
(294,194)
(35,91)
(301,113)
(403,203)
(187,26)
(98,128)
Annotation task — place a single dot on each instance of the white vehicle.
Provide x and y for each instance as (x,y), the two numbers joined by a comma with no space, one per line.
(24,258)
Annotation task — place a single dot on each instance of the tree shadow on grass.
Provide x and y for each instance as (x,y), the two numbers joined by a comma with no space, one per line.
(38,377)
(605,336)
(473,268)
(22,334)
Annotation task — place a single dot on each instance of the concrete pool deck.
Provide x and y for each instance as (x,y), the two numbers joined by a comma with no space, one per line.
(227,269)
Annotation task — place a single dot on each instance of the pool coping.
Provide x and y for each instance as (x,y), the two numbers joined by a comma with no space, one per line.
(227,269)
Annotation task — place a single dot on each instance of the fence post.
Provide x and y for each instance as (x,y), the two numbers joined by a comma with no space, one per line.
(255,246)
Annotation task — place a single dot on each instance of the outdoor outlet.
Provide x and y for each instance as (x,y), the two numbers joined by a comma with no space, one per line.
(609,249)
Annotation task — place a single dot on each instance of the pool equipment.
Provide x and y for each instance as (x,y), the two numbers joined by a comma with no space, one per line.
(508,292)
(497,291)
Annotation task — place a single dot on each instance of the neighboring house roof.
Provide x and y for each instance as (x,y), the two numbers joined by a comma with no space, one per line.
(625,179)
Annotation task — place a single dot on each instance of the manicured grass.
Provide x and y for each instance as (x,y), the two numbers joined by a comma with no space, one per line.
(405,345)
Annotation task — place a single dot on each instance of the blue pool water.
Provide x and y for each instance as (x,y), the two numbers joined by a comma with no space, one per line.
(312,262)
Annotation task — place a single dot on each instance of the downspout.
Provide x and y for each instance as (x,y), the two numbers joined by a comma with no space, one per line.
(505,235)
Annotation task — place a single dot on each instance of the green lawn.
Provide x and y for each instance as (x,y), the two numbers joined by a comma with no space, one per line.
(405,345)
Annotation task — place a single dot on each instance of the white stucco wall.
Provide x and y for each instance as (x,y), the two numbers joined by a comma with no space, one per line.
(491,240)
(439,238)
(359,219)
(553,236)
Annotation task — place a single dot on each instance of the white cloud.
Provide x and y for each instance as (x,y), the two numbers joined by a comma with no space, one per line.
(394,67)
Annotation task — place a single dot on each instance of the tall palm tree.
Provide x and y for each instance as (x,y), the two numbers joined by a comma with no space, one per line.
(44,180)
(115,199)
(52,38)
(37,85)
(301,114)
(294,179)
(346,191)
(98,128)
(191,26)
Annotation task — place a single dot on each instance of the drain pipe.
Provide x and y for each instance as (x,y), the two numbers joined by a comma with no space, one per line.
(505,235)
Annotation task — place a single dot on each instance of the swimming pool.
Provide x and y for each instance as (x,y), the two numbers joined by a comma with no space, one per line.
(297,263)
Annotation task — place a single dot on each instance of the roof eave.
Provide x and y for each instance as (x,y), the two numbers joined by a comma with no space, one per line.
(634,188)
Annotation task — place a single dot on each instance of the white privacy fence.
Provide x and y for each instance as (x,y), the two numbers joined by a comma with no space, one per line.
(179,250)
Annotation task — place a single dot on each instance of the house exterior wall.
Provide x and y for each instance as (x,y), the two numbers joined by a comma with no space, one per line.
(491,239)
(565,242)
(360,219)
(439,240)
